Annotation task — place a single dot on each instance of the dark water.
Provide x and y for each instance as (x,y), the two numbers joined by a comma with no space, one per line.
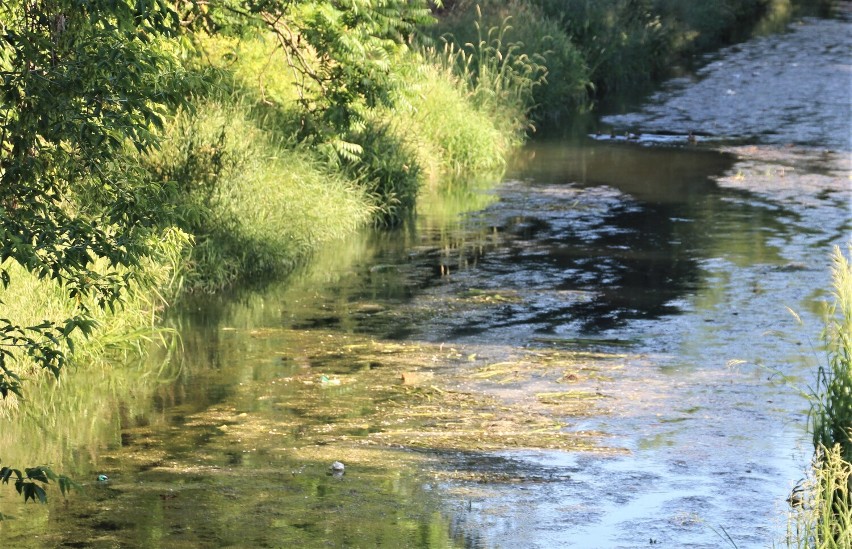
(675,263)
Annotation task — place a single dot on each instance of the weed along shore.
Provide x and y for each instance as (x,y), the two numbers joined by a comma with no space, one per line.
(360,275)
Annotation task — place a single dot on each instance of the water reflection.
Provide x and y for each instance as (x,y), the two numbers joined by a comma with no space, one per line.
(586,237)
(679,257)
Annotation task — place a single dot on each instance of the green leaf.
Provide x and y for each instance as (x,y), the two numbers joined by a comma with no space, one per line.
(37,473)
(66,485)
(7,472)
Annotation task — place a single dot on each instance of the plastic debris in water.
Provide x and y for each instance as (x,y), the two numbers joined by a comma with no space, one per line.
(337,468)
(325,380)
(103,478)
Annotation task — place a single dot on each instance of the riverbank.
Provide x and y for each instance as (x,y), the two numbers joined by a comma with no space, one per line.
(222,165)
(249,198)
(235,172)
(257,200)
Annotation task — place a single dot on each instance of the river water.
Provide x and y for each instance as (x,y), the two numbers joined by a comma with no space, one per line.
(604,349)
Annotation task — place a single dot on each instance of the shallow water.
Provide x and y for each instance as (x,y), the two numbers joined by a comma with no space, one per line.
(790,88)
(594,352)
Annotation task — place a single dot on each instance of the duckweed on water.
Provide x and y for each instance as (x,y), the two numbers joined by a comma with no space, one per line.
(347,391)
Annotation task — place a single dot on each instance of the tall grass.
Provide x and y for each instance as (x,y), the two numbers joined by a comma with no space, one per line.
(255,201)
(252,204)
(596,49)
(823,520)
(449,134)
(831,413)
(501,76)
(466,105)
(518,36)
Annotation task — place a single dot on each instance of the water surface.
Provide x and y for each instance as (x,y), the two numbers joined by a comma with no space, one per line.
(596,351)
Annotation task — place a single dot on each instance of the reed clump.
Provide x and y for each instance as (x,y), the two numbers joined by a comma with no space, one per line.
(495,43)
(822,517)
(831,413)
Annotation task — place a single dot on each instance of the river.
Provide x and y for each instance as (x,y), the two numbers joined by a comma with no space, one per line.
(604,349)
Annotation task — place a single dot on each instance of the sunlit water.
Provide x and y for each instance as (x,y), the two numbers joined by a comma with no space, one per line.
(679,260)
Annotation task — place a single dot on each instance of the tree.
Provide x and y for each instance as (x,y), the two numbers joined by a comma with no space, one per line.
(79,81)
(340,51)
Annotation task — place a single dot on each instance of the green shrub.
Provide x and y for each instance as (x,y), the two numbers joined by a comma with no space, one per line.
(705,25)
(624,42)
(388,172)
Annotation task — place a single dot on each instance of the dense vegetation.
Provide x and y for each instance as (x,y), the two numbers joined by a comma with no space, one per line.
(149,147)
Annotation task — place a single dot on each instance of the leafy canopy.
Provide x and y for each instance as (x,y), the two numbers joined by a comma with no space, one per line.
(341,52)
(79,80)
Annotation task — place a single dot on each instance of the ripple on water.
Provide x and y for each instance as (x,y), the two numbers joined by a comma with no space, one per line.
(785,88)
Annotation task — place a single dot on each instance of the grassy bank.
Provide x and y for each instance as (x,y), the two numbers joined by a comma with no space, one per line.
(256,200)
(235,194)
(236,191)
(61,415)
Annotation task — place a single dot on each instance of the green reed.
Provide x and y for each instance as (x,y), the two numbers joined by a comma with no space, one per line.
(831,412)
(822,516)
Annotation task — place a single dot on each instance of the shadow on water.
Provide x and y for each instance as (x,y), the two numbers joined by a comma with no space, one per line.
(626,232)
